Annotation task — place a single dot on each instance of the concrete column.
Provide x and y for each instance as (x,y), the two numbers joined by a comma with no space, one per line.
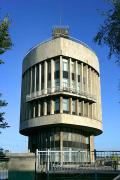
(88,109)
(61,148)
(39,77)
(33,110)
(70,105)
(87,85)
(61,104)
(35,80)
(45,108)
(76,75)
(99,94)
(61,73)
(96,88)
(92,148)
(52,76)
(82,108)
(52,107)
(70,75)
(45,77)
(93,83)
(77,107)
(81,75)
(90,82)
(39,107)
(30,80)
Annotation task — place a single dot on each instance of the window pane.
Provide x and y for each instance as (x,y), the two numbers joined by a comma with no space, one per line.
(48,107)
(57,65)
(65,65)
(57,105)
(80,109)
(37,77)
(65,82)
(57,82)
(42,76)
(66,105)
(73,67)
(73,106)
(33,78)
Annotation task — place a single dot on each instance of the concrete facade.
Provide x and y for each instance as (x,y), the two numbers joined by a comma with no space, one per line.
(60,98)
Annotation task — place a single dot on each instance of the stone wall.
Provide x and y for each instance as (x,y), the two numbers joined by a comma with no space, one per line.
(21,166)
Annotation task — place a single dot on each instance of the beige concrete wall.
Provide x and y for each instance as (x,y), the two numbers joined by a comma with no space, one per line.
(21,161)
(80,121)
(60,46)
(21,166)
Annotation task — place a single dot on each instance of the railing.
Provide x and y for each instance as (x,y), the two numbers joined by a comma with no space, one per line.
(58,89)
(4,174)
(3,167)
(77,161)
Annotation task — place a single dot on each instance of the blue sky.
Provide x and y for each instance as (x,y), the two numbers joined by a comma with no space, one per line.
(32,22)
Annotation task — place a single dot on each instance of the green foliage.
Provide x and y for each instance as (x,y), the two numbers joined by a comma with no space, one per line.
(5,40)
(5,44)
(109,32)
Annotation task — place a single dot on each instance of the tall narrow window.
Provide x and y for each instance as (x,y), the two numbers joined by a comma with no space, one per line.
(80,108)
(90,110)
(57,105)
(84,77)
(33,78)
(65,105)
(57,73)
(37,77)
(48,106)
(78,77)
(42,108)
(65,73)
(85,109)
(42,76)
(73,107)
(73,74)
(36,108)
(49,75)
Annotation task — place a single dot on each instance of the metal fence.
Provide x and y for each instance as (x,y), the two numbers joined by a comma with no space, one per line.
(77,161)
(4,174)
(3,166)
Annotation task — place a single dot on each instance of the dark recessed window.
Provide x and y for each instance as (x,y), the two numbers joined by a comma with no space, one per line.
(57,65)
(73,107)
(33,78)
(73,76)
(42,108)
(42,76)
(37,77)
(65,74)
(78,78)
(49,76)
(48,107)
(57,105)
(57,74)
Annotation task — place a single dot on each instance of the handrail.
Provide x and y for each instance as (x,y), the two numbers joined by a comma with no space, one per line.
(58,89)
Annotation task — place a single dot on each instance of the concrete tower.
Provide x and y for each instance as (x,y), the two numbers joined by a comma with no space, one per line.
(60,98)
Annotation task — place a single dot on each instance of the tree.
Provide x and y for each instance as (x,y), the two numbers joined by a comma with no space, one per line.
(109,32)
(5,44)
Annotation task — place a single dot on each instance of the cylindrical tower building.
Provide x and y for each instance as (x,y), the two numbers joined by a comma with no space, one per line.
(60,97)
